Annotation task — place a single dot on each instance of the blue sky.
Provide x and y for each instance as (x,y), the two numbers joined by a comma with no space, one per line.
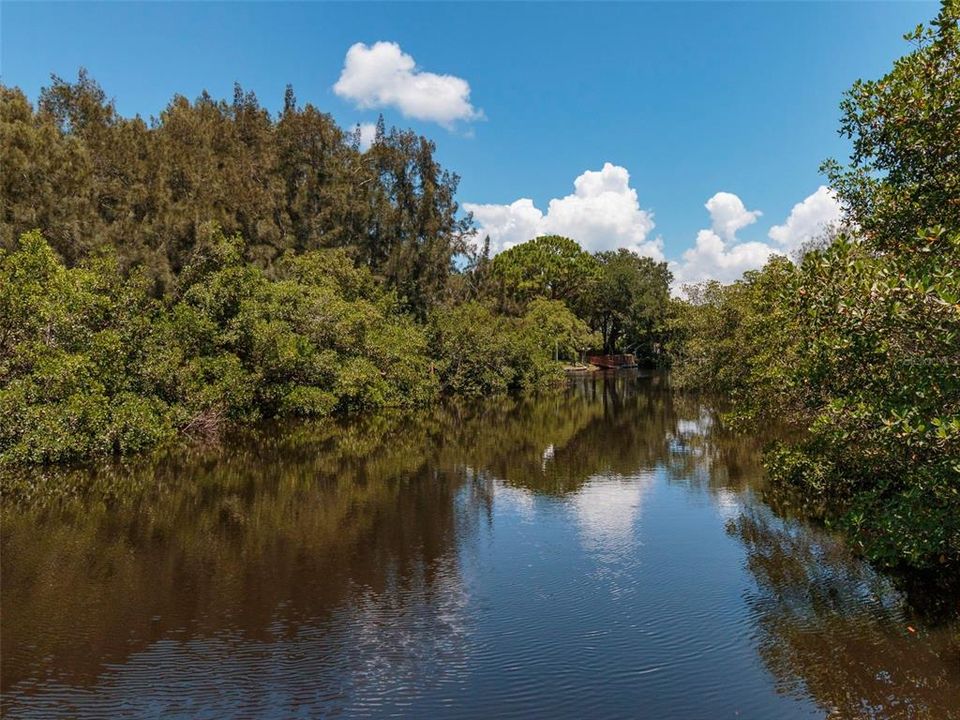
(690,99)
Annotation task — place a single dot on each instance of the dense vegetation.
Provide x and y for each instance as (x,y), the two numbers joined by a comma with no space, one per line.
(220,265)
(89,178)
(857,344)
(622,296)
(93,365)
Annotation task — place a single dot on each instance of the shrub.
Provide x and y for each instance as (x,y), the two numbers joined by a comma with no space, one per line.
(91,365)
(478,352)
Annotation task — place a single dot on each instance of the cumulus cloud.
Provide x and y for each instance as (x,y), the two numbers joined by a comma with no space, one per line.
(382,75)
(808,219)
(713,258)
(507,225)
(719,255)
(728,214)
(602,213)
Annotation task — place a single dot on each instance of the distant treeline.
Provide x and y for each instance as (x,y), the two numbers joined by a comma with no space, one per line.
(89,178)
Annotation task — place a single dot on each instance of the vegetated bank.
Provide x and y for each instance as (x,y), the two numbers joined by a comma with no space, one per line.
(218,265)
(857,343)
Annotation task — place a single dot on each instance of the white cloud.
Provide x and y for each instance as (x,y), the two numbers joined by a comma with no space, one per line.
(713,258)
(808,219)
(728,214)
(719,255)
(507,225)
(382,75)
(368,132)
(602,213)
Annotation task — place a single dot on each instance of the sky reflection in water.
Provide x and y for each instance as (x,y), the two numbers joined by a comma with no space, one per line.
(599,553)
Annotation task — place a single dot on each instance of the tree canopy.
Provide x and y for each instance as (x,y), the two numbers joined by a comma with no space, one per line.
(550,267)
(90,364)
(627,301)
(904,172)
(89,178)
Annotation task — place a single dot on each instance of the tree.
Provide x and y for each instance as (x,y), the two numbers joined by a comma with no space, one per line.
(904,172)
(91,365)
(550,267)
(479,352)
(879,342)
(89,178)
(877,385)
(415,231)
(557,330)
(856,346)
(628,300)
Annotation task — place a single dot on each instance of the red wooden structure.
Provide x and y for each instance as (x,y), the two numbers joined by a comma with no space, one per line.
(612,361)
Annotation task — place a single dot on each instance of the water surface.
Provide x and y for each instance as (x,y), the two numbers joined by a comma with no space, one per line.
(606,552)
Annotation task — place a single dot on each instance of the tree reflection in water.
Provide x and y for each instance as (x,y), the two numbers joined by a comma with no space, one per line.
(334,551)
(831,627)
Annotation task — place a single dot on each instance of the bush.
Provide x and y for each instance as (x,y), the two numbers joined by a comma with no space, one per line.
(478,352)
(91,365)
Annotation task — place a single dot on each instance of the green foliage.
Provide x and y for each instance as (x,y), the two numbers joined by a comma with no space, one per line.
(881,383)
(858,350)
(904,172)
(857,345)
(88,177)
(627,302)
(878,346)
(479,352)
(91,365)
(736,339)
(70,380)
(551,267)
(621,295)
(557,331)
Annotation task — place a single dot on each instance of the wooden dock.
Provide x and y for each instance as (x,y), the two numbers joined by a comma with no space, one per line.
(613,362)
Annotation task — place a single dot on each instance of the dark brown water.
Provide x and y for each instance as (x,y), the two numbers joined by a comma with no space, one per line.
(602,553)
